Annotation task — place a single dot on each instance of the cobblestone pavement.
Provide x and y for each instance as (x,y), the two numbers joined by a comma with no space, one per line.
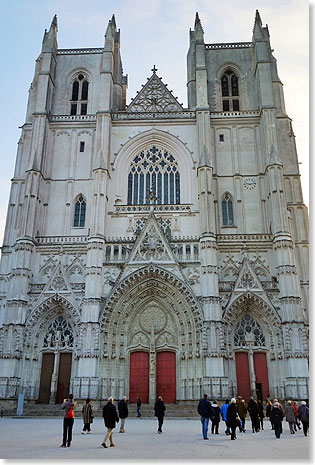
(40,438)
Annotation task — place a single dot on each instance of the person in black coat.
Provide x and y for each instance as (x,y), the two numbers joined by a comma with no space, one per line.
(110,418)
(232,417)
(215,420)
(159,412)
(261,414)
(303,415)
(206,412)
(123,413)
(254,414)
(276,417)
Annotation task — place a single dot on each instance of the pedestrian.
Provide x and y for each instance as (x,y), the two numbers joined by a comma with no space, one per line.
(261,414)
(254,414)
(289,416)
(68,405)
(268,412)
(159,412)
(276,417)
(138,407)
(223,415)
(303,415)
(215,420)
(242,408)
(206,412)
(87,415)
(110,419)
(232,417)
(2,410)
(297,423)
(123,413)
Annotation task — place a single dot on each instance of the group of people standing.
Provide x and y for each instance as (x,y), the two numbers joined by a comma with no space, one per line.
(233,413)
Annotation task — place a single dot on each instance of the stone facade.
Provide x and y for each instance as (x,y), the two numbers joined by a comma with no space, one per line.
(154,228)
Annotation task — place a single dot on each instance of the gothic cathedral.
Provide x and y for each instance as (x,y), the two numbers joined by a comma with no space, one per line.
(152,249)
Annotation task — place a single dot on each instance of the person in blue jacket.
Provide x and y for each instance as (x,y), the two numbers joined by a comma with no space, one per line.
(206,412)
(224,418)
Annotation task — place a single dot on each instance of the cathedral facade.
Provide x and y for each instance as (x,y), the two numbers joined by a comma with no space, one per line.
(152,249)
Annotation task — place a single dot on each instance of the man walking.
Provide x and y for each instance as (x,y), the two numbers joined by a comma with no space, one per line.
(123,413)
(224,417)
(138,407)
(303,415)
(110,418)
(241,407)
(205,411)
(159,412)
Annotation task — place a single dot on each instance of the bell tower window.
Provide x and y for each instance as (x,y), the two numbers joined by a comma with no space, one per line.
(79,95)
(230,92)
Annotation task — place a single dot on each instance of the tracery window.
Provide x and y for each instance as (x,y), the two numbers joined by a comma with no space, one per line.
(248,330)
(227,210)
(59,334)
(79,213)
(156,170)
(79,96)
(230,92)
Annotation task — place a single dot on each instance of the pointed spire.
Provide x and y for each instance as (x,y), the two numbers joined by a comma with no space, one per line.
(257,30)
(204,158)
(50,37)
(110,31)
(198,29)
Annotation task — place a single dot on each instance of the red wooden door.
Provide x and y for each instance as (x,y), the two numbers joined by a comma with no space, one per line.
(242,375)
(139,377)
(261,372)
(166,376)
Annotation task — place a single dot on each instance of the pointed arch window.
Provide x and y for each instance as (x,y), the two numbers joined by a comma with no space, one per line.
(59,334)
(229,91)
(154,169)
(248,331)
(227,210)
(79,95)
(79,212)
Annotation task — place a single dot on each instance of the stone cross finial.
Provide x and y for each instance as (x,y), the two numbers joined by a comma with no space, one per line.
(154,69)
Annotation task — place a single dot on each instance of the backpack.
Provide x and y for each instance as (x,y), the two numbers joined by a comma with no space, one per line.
(70,413)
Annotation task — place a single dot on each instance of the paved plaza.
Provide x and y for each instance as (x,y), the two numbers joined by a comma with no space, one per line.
(40,438)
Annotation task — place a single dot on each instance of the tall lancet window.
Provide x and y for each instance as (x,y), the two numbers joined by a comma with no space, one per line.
(154,169)
(79,95)
(227,210)
(79,213)
(229,91)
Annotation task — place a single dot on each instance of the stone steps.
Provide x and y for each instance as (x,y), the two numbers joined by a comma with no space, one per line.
(147,411)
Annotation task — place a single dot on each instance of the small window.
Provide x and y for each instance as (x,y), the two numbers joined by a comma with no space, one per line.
(73,108)
(83,108)
(226,105)
(221,137)
(82,144)
(227,210)
(79,213)
(236,105)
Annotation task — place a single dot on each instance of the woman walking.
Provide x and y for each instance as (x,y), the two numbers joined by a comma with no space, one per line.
(232,418)
(159,412)
(88,416)
(268,411)
(303,415)
(276,418)
(68,405)
(261,414)
(289,416)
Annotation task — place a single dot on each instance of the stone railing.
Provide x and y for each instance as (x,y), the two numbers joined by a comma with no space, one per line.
(51,240)
(123,209)
(66,118)
(78,51)
(185,114)
(232,45)
(184,251)
(234,114)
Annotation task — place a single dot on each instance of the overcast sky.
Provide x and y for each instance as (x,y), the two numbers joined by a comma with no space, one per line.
(152,32)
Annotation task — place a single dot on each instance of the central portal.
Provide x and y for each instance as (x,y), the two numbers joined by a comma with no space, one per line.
(165,376)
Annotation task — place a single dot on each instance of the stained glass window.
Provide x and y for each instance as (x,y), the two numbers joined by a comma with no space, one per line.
(227,210)
(248,330)
(157,170)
